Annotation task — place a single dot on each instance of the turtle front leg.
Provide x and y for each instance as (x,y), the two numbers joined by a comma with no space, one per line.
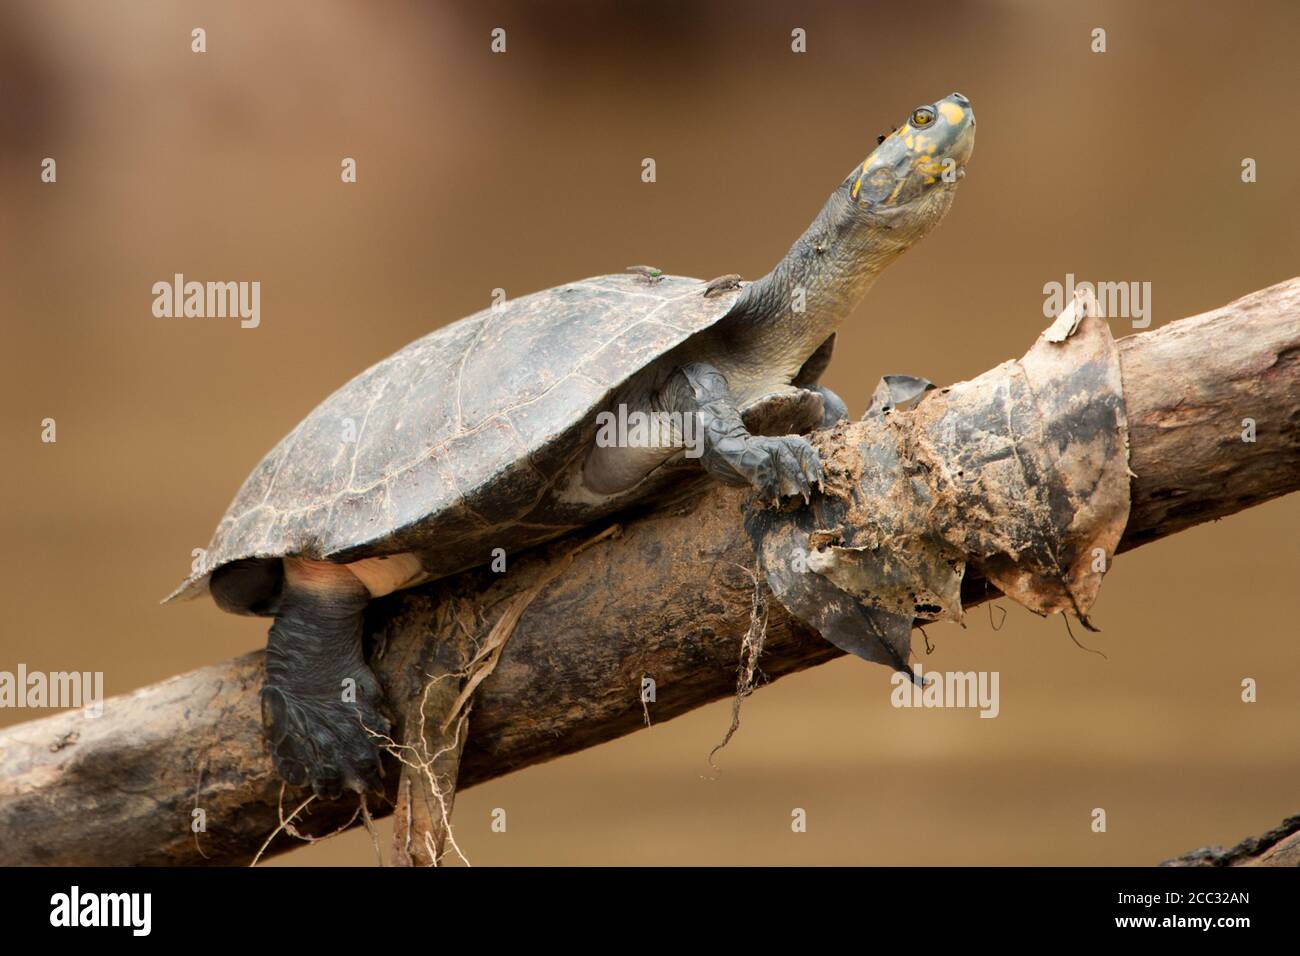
(774,466)
(320,700)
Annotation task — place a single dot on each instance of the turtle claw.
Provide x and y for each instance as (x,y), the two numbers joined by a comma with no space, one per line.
(781,467)
(321,741)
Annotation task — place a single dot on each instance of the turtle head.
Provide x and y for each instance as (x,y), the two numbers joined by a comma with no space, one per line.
(879,211)
(917,167)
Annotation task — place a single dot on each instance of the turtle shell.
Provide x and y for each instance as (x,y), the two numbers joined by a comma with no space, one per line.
(455,445)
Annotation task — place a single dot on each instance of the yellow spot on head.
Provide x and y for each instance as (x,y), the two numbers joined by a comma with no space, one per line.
(953,113)
(929,165)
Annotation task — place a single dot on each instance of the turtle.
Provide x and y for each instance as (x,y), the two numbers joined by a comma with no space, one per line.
(540,415)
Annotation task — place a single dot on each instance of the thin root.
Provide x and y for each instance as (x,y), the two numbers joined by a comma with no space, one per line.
(1090,650)
(285,824)
(1002,622)
(751,647)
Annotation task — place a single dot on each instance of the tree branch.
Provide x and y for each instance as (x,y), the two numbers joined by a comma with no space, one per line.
(669,599)
(1280,846)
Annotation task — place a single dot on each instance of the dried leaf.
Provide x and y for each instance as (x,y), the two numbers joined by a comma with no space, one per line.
(1022,472)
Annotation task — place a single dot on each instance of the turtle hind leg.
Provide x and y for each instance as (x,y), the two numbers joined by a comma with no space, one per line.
(320,700)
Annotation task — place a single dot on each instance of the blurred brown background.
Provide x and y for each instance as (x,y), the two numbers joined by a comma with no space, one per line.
(523,171)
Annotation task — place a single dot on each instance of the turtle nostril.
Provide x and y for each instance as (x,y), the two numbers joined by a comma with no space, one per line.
(961,100)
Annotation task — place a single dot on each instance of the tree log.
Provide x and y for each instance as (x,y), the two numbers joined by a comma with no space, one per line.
(669,598)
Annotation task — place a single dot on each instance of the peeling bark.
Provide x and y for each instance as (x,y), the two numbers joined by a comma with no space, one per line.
(670,598)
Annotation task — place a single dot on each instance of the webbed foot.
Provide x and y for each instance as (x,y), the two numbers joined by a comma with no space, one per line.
(776,467)
(320,701)
(321,741)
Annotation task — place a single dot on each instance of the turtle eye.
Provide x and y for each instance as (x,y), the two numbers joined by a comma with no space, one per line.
(922,117)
